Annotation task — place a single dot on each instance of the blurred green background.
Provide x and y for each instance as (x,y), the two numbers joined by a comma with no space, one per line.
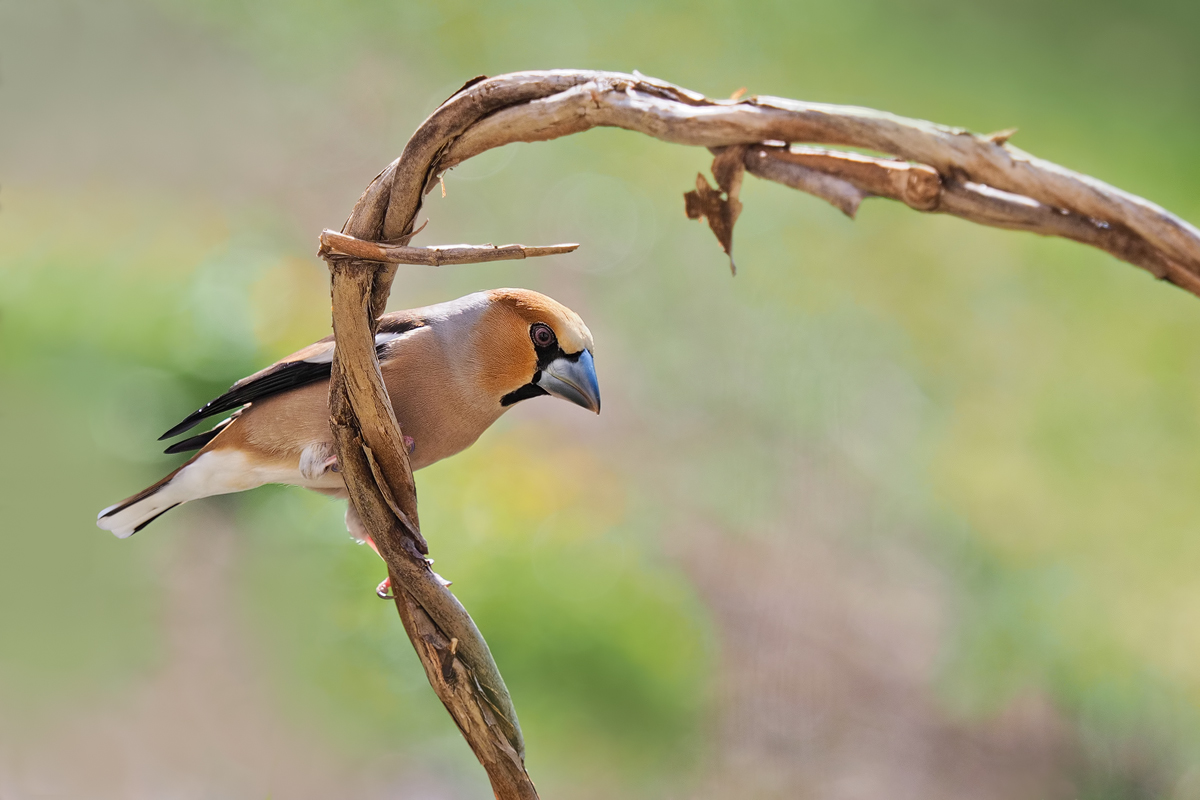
(905,509)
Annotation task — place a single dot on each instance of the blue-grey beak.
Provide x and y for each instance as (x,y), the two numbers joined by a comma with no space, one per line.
(573,380)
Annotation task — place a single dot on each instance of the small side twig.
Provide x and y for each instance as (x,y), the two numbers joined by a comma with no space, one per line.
(845,179)
(339,243)
(916,185)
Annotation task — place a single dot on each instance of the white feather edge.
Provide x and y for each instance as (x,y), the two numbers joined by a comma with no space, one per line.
(326,357)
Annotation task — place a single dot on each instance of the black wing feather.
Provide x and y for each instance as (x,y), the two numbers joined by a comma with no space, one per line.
(199,440)
(279,378)
(285,376)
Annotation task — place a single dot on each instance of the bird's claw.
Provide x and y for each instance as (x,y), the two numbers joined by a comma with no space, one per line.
(383,590)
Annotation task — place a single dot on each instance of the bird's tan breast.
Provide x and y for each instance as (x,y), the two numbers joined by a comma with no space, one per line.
(435,400)
(434,404)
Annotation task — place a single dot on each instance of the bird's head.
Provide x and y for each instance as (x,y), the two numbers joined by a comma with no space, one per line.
(530,345)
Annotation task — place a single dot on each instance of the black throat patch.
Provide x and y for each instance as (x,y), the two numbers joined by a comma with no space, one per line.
(527,391)
(544,356)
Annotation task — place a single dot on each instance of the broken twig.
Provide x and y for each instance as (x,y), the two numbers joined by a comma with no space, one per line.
(339,243)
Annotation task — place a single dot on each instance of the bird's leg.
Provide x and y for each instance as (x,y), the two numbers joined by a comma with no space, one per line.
(359,531)
(383,590)
(384,587)
(317,458)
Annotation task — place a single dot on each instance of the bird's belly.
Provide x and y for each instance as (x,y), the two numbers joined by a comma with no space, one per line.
(284,426)
(225,471)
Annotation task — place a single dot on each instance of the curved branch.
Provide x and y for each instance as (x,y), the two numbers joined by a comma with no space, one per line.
(930,168)
(379,481)
(1129,227)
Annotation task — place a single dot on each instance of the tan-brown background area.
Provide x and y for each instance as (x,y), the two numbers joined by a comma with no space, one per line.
(906,509)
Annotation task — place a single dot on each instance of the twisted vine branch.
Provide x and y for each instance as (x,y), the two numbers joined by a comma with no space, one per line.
(929,167)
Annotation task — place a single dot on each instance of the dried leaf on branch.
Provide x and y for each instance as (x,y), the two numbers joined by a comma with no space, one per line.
(720,208)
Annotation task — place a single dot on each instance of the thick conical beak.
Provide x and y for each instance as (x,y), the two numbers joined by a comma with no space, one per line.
(574,380)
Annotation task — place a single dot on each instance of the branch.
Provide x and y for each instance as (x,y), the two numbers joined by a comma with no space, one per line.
(929,167)
(1129,227)
(846,179)
(379,481)
(333,242)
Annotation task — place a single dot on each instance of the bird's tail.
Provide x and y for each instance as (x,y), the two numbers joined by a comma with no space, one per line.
(134,513)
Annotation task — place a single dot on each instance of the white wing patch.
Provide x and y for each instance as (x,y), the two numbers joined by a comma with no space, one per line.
(326,357)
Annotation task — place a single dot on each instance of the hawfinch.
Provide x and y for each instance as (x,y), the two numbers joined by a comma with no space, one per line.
(450,369)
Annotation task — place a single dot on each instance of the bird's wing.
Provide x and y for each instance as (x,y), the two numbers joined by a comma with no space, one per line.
(200,439)
(301,368)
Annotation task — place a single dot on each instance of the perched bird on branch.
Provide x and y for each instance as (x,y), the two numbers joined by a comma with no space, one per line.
(450,369)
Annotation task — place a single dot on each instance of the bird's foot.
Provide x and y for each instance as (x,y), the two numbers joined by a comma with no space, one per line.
(317,459)
(383,590)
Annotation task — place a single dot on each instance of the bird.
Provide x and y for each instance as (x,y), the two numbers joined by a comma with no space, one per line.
(451,370)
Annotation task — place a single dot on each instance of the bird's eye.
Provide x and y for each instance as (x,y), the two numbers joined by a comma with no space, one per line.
(541,335)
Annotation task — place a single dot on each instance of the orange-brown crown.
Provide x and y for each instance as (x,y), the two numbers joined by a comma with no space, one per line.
(531,307)
(505,355)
